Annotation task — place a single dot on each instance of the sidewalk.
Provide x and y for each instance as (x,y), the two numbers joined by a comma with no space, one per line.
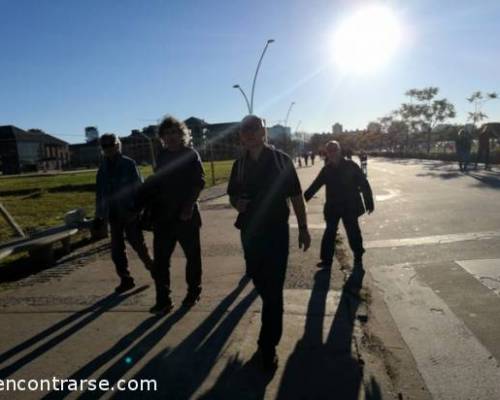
(66,323)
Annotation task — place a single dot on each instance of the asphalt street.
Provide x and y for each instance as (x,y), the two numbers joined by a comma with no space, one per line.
(433,261)
(434,253)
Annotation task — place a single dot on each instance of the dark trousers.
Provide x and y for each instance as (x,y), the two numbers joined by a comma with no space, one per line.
(166,236)
(130,230)
(266,257)
(354,237)
(483,154)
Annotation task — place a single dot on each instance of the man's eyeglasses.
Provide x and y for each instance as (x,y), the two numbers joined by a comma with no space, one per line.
(107,145)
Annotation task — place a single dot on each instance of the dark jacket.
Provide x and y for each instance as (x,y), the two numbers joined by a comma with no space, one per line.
(116,182)
(267,183)
(345,183)
(177,179)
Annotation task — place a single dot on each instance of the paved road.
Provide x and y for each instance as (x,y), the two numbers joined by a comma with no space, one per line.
(434,253)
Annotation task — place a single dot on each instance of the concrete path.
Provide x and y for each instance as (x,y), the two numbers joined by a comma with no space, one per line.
(65,323)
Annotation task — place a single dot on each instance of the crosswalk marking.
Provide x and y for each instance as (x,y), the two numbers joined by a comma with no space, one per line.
(485,271)
(453,362)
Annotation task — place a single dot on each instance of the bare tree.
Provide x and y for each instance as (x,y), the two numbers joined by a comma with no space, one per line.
(477,99)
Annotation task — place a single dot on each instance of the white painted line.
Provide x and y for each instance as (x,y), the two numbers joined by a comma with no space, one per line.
(392,193)
(485,271)
(452,362)
(437,239)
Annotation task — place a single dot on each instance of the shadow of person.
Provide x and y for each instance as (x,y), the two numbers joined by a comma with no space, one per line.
(326,368)
(242,381)
(493,181)
(182,370)
(120,346)
(93,312)
(178,371)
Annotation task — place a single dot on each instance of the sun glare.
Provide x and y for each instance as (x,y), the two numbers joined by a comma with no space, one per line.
(365,41)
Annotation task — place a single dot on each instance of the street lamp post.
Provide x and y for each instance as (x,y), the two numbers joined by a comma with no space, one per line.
(257,72)
(288,113)
(244,96)
(236,86)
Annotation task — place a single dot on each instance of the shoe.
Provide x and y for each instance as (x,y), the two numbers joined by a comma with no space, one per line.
(324,265)
(162,308)
(126,284)
(191,298)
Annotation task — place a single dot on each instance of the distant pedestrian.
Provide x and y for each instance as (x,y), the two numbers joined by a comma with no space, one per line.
(463,145)
(261,182)
(306,157)
(116,182)
(483,151)
(313,157)
(344,182)
(173,191)
(363,161)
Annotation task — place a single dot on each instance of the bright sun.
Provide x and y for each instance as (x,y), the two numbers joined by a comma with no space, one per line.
(366,41)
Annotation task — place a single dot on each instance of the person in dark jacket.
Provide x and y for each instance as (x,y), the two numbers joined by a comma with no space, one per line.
(463,144)
(173,191)
(344,182)
(483,150)
(261,183)
(116,181)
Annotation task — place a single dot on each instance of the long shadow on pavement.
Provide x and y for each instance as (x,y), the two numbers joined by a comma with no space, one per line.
(181,370)
(96,310)
(322,369)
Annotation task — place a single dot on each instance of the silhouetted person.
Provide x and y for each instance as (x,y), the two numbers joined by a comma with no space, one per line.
(344,182)
(483,150)
(363,160)
(463,145)
(313,157)
(173,191)
(306,158)
(347,153)
(261,182)
(116,181)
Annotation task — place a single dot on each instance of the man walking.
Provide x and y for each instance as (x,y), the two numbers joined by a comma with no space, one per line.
(116,181)
(173,191)
(483,150)
(344,181)
(261,182)
(463,145)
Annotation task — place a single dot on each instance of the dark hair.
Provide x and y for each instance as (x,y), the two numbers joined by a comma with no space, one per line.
(110,139)
(170,122)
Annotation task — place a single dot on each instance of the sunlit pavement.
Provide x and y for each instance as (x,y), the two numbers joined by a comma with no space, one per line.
(432,246)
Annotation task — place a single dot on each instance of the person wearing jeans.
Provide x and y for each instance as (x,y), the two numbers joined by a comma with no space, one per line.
(116,181)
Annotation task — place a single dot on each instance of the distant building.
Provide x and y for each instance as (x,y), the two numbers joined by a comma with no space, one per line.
(279,132)
(91,134)
(85,155)
(337,129)
(140,146)
(32,150)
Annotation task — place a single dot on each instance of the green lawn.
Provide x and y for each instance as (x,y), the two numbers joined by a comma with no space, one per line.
(40,202)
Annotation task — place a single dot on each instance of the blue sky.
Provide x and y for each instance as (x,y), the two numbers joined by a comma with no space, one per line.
(122,64)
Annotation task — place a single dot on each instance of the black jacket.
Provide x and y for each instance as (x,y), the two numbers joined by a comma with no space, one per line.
(345,183)
(178,176)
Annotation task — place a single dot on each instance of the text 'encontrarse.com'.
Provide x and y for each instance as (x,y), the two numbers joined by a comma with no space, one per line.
(77,385)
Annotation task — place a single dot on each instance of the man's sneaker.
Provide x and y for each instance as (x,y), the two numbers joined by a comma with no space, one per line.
(324,265)
(191,299)
(126,284)
(162,308)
